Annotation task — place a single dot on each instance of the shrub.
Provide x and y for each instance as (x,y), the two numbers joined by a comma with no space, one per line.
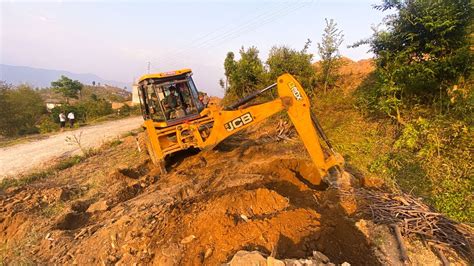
(47,125)
(20,110)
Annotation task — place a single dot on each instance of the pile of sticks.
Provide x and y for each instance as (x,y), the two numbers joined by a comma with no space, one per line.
(416,218)
(284,131)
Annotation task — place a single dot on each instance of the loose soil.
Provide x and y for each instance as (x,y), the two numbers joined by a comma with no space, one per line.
(115,207)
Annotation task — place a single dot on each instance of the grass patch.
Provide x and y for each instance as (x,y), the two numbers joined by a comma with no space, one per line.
(52,210)
(69,162)
(114,143)
(18,182)
(9,182)
(362,142)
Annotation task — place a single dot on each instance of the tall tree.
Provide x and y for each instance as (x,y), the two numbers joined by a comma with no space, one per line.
(245,75)
(298,63)
(67,87)
(328,50)
(229,67)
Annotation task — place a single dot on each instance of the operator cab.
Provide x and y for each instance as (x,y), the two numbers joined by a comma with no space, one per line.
(169,97)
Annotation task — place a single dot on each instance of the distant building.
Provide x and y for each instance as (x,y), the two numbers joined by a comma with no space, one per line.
(51,103)
(135,97)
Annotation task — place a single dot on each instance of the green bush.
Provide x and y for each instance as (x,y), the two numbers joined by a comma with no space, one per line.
(47,125)
(423,81)
(423,52)
(20,110)
(69,162)
(298,63)
(91,109)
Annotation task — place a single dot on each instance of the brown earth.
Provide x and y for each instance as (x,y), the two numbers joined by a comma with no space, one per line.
(116,208)
(249,193)
(352,73)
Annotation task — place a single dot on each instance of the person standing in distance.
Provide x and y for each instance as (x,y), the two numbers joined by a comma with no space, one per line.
(62,120)
(71,118)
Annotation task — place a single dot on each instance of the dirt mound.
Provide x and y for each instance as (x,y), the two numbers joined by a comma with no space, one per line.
(115,207)
(351,73)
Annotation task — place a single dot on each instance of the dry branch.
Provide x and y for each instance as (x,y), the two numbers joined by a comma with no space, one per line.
(284,131)
(413,217)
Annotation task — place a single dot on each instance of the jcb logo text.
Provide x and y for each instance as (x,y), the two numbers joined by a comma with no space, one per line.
(295,91)
(239,122)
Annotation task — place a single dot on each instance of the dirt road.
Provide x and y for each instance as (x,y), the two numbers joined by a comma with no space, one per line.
(24,157)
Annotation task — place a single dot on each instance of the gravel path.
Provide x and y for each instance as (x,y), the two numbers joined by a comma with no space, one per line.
(24,157)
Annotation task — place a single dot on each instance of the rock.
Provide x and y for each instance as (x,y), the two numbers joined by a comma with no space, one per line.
(345,264)
(112,258)
(320,256)
(98,206)
(244,217)
(188,239)
(208,253)
(48,237)
(271,261)
(80,206)
(244,258)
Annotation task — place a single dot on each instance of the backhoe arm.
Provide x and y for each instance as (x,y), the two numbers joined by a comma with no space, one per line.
(294,100)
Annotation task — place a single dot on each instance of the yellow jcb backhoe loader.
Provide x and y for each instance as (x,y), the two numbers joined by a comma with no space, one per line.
(176,118)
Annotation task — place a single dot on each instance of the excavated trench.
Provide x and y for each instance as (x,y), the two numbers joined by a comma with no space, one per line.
(209,206)
(235,199)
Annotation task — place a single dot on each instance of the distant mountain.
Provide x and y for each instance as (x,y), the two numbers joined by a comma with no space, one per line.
(39,77)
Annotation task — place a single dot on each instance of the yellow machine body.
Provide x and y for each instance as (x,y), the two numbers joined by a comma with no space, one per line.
(214,124)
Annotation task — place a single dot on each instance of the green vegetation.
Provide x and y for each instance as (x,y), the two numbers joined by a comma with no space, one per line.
(85,110)
(423,81)
(67,87)
(422,58)
(328,50)
(286,60)
(17,182)
(69,162)
(21,109)
(245,75)
(249,74)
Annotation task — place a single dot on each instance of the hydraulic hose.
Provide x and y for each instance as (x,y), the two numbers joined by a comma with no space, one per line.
(248,98)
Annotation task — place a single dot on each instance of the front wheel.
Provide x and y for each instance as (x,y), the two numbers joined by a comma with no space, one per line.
(160,163)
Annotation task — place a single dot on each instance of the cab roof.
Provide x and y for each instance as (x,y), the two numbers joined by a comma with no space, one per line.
(165,74)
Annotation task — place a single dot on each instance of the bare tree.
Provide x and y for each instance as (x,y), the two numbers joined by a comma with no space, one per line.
(328,49)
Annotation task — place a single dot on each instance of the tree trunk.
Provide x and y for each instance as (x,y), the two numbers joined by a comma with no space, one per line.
(327,76)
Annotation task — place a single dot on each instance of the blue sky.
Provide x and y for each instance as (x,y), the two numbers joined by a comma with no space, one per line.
(115,40)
